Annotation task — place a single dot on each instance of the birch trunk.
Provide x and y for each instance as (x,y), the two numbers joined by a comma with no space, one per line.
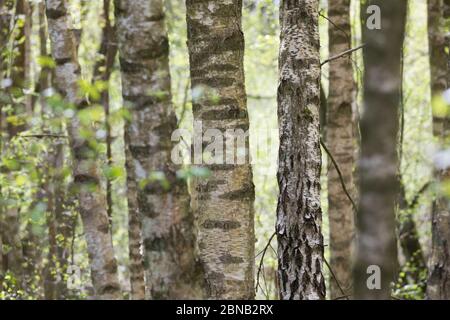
(299,215)
(341,144)
(438,287)
(376,246)
(5,21)
(87,183)
(224,200)
(19,74)
(172,269)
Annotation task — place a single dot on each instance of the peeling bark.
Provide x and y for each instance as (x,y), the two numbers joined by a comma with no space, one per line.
(376,242)
(87,183)
(340,130)
(172,269)
(299,214)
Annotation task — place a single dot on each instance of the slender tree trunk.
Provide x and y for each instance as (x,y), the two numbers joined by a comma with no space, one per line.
(172,269)
(20,77)
(378,165)
(87,183)
(299,214)
(341,144)
(5,22)
(108,49)
(438,287)
(20,72)
(6,7)
(224,200)
(102,71)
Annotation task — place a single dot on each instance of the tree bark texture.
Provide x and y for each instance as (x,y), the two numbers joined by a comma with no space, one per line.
(438,287)
(171,262)
(223,202)
(299,214)
(87,181)
(376,242)
(341,143)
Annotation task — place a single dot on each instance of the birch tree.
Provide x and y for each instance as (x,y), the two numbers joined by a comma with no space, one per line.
(86,177)
(299,214)
(340,141)
(223,202)
(155,192)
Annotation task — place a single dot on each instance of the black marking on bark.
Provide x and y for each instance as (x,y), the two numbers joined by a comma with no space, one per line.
(227,113)
(160,49)
(221,224)
(209,186)
(247,192)
(62,61)
(130,67)
(155,244)
(221,67)
(229,259)
(233,42)
(214,82)
(56,13)
(110,288)
(156,18)
(216,102)
(139,152)
(111,266)
(86,179)
(103,228)
(239,126)
(142,102)
(145,206)
(220,167)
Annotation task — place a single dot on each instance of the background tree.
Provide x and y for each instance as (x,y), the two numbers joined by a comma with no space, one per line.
(439,274)
(87,183)
(378,163)
(341,144)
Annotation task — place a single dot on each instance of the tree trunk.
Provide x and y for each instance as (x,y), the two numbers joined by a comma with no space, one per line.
(5,21)
(102,71)
(341,144)
(223,202)
(299,214)
(6,8)
(438,287)
(172,269)
(20,76)
(87,183)
(137,272)
(378,165)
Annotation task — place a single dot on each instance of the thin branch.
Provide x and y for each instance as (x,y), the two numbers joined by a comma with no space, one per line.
(262,260)
(340,55)
(43,135)
(417,196)
(259,97)
(335,279)
(344,187)
(335,25)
